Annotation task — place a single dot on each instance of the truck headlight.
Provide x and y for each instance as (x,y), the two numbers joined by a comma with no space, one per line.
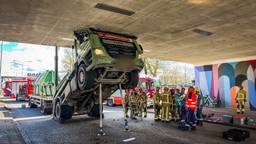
(140,56)
(99,52)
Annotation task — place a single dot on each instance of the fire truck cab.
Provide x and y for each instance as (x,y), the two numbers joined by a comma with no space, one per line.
(18,89)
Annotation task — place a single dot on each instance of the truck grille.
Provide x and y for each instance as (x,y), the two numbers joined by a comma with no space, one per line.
(117,49)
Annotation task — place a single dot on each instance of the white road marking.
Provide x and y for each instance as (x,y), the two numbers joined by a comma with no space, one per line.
(129,139)
(32,118)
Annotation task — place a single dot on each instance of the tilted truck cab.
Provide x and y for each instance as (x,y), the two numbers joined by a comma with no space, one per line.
(104,57)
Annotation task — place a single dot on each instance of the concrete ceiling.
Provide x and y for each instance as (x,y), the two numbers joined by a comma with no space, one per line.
(164,27)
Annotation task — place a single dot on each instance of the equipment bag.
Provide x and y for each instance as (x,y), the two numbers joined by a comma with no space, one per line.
(236,135)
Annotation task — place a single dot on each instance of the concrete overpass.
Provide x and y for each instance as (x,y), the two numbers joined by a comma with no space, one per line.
(193,31)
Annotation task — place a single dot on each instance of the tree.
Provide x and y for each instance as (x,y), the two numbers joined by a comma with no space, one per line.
(151,66)
(69,60)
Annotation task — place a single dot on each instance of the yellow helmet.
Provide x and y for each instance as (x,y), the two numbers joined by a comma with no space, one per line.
(197,89)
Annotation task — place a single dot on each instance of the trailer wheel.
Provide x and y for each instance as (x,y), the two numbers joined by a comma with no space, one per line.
(63,112)
(85,78)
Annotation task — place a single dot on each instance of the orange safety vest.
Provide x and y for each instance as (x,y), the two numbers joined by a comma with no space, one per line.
(191,99)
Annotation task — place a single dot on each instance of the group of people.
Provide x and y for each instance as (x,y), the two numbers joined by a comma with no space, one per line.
(136,101)
(177,104)
(180,105)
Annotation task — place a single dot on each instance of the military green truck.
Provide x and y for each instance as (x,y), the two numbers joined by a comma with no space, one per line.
(43,90)
(105,60)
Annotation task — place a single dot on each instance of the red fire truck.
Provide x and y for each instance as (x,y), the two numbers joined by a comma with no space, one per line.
(145,82)
(19,89)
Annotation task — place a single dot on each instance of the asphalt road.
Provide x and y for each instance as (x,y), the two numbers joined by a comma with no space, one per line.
(42,129)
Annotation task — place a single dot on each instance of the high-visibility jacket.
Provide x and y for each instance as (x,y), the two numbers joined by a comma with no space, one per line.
(191,100)
(165,99)
(241,95)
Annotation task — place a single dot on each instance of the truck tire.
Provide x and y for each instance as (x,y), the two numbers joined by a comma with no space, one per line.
(95,111)
(133,80)
(85,79)
(63,112)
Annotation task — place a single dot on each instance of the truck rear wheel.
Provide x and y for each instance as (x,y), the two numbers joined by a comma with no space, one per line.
(133,80)
(85,79)
(63,112)
(95,111)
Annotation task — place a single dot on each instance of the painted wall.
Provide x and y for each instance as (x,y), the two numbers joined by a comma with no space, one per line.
(221,81)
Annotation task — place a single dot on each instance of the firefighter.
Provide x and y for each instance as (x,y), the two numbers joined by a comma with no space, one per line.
(191,106)
(173,106)
(157,106)
(143,102)
(165,105)
(241,98)
(126,102)
(133,104)
(199,106)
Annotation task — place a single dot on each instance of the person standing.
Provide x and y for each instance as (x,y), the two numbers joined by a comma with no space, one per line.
(126,102)
(173,107)
(241,98)
(191,106)
(143,102)
(165,105)
(133,104)
(182,105)
(199,106)
(157,106)
(177,96)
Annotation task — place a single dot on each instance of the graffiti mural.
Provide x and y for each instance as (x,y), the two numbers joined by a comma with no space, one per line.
(221,81)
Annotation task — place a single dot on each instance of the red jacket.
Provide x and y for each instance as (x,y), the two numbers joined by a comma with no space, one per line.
(191,99)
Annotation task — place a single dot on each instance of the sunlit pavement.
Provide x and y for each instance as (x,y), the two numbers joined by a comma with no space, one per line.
(42,129)
(9,134)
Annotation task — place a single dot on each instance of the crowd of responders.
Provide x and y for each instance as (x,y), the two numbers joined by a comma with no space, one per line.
(180,105)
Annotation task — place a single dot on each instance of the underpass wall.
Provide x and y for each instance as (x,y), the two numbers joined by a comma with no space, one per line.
(221,82)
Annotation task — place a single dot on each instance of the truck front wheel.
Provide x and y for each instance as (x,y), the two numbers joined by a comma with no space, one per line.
(63,112)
